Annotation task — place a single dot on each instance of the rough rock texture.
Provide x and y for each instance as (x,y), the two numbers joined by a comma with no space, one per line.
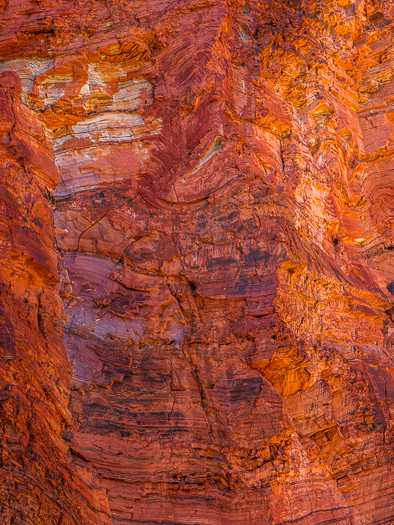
(220,178)
(39,483)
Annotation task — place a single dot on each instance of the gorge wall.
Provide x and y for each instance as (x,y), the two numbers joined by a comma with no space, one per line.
(197,247)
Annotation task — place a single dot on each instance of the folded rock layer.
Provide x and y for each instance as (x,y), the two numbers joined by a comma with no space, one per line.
(196,262)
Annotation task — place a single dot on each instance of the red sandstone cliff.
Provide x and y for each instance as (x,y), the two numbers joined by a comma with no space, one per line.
(196,265)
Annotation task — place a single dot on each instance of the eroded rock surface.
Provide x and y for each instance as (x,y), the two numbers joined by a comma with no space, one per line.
(198,211)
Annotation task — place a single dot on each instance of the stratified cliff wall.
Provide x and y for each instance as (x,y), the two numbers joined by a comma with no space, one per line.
(38,481)
(197,247)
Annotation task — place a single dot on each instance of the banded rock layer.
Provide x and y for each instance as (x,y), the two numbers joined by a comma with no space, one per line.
(198,213)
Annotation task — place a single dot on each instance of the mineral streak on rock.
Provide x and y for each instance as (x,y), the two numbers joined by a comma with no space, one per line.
(198,210)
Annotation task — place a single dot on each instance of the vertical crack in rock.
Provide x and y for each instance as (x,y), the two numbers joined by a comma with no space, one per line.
(196,266)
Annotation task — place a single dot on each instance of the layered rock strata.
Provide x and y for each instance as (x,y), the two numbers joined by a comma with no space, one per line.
(40,481)
(219,175)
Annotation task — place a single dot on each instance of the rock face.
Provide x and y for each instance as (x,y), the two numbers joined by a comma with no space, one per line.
(196,262)
(39,482)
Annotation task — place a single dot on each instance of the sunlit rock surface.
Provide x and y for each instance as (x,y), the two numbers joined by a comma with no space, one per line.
(197,247)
